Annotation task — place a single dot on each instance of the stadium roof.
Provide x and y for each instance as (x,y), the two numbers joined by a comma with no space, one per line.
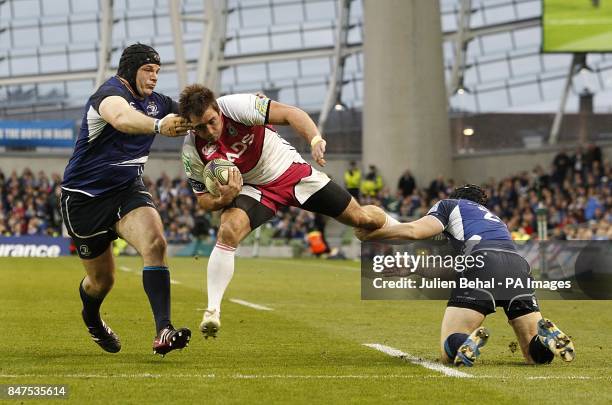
(49,51)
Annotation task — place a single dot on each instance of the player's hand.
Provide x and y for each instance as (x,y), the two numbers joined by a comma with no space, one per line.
(318,152)
(228,192)
(172,125)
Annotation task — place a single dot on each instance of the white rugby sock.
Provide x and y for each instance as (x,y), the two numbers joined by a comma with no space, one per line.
(219,273)
(390,221)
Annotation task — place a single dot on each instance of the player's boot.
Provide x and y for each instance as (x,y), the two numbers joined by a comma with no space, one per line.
(170,339)
(469,351)
(105,337)
(557,341)
(211,323)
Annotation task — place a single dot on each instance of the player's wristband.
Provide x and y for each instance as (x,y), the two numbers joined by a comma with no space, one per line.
(315,140)
(156,126)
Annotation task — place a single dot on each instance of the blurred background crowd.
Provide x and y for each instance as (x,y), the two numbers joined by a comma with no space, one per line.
(575,189)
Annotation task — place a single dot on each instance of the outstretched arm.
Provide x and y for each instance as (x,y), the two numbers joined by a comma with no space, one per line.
(423,228)
(283,114)
(116,111)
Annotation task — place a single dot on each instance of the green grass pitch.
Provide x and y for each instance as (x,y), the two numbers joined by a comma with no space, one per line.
(308,349)
(577,26)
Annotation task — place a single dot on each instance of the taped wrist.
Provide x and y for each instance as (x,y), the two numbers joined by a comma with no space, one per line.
(315,140)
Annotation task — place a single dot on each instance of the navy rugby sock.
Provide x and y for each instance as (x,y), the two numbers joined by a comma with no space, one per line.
(91,307)
(539,352)
(156,282)
(453,342)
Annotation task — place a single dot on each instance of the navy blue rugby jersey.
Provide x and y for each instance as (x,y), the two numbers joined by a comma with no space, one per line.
(472,227)
(105,159)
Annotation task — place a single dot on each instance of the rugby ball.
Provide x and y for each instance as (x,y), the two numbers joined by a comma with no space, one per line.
(216,169)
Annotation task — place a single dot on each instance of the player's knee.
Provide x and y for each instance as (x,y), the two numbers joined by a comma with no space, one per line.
(159,244)
(444,359)
(100,283)
(156,247)
(365,218)
(230,232)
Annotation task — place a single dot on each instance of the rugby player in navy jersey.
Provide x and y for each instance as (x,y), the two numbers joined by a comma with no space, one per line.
(474,230)
(103,195)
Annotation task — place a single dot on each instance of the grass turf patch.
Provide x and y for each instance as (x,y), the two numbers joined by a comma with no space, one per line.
(309,348)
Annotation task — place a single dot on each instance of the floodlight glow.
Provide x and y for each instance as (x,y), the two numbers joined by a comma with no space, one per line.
(468,131)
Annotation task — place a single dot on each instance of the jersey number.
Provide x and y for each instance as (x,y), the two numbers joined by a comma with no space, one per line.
(239,147)
(488,215)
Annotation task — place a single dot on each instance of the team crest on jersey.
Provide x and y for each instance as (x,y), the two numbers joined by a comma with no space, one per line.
(152,108)
(209,149)
(232,131)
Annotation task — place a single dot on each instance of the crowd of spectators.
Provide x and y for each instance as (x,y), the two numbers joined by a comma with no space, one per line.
(576,192)
(29,204)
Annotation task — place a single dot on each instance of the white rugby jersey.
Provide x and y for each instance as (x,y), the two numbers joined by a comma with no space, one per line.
(255,148)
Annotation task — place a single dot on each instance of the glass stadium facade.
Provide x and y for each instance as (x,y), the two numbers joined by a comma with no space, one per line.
(51,53)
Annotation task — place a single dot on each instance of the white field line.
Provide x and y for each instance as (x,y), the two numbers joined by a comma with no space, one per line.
(130,270)
(450,372)
(250,304)
(568,377)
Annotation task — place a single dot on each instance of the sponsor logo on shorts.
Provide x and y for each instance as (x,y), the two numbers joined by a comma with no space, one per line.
(84,249)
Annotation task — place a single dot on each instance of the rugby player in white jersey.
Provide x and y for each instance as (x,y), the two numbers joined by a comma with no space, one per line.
(271,174)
